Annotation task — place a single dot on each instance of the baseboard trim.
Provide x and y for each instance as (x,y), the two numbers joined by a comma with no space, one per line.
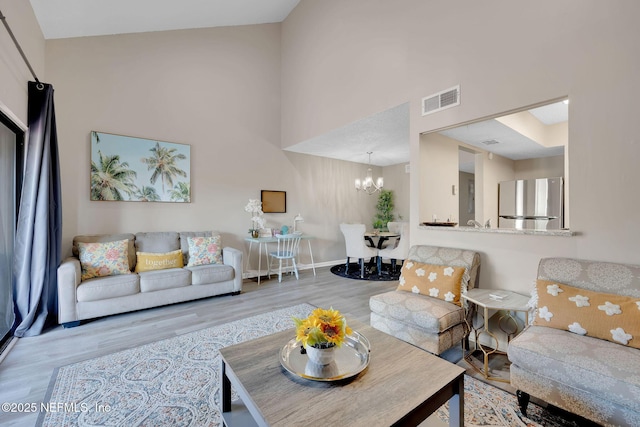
(250,274)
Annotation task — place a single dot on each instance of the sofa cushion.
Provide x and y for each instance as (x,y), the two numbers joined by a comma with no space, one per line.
(431,314)
(157,280)
(601,367)
(212,273)
(103,259)
(98,238)
(204,250)
(437,281)
(157,241)
(108,287)
(184,240)
(607,316)
(148,261)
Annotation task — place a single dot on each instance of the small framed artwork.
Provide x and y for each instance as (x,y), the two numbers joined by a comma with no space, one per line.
(273,201)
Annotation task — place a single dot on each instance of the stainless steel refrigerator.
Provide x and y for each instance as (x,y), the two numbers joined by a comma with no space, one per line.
(535,204)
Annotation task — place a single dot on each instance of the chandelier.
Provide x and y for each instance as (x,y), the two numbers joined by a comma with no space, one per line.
(368,185)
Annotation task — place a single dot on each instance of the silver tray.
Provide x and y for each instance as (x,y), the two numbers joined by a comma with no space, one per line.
(350,359)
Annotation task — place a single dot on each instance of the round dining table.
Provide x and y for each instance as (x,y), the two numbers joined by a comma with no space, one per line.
(380,236)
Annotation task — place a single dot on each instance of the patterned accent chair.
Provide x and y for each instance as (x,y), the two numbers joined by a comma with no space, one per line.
(592,377)
(429,323)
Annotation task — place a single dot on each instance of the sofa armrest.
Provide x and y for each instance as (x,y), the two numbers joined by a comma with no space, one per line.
(69,275)
(233,257)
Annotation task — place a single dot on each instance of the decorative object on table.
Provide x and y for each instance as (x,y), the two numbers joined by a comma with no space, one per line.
(349,360)
(124,168)
(254,207)
(320,333)
(367,185)
(284,230)
(440,224)
(274,201)
(384,212)
(298,218)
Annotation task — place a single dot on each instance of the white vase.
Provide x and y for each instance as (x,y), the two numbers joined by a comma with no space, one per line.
(321,371)
(320,356)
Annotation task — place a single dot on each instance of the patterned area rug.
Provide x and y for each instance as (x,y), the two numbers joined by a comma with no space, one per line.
(485,405)
(176,382)
(370,271)
(173,382)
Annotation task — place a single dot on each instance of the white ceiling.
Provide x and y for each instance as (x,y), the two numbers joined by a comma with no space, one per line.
(79,18)
(385,134)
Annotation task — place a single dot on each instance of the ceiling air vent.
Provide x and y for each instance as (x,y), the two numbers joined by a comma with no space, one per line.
(491,142)
(441,100)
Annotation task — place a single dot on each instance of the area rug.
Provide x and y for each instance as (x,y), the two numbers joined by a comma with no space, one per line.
(370,272)
(485,405)
(173,382)
(176,382)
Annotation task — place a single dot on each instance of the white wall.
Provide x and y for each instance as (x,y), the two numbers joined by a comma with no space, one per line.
(14,73)
(219,91)
(505,56)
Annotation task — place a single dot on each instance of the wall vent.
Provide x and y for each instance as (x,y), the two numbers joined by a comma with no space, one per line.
(441,100)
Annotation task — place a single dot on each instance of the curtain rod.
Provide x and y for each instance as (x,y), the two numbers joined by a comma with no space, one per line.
(24,57)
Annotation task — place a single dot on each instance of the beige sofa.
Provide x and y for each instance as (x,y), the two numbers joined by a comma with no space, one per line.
(101,296)
(596,378)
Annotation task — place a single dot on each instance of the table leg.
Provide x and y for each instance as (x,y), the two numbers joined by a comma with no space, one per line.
(248,257)
(313,265)
(456,404)
(226,389)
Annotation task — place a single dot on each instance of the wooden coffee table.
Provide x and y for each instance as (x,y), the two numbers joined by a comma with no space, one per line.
(402,385)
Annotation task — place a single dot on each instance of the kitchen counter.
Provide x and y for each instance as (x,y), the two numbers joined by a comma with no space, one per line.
(557,233)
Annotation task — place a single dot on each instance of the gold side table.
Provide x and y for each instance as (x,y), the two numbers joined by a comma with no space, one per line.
(495,299)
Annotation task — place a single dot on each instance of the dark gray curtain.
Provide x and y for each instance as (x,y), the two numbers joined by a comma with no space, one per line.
(39,231)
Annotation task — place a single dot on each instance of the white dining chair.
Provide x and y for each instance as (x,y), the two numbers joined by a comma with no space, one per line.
(400,249)
(393,227)
(356,246)
(287,250)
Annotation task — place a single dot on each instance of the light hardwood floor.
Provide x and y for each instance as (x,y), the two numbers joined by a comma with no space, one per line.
(27,368)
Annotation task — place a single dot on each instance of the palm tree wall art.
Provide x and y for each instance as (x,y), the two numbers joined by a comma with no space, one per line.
(125,168)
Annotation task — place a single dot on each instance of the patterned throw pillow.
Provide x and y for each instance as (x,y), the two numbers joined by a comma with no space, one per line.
(204,250)
(438,281)
(103,259)
(610,317)
(148,261)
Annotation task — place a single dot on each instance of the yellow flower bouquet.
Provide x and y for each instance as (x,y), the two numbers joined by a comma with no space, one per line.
(322,329)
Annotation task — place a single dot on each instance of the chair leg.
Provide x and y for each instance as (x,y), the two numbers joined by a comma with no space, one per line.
(295,267)
(280,271)
(379,265)
(393,265)
(346,267)
(361,268)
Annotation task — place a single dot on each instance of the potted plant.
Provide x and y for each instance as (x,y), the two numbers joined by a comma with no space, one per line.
(254,207)
(385,210)
(321,332)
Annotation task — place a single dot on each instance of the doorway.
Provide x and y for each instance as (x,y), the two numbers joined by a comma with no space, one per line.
(11,174)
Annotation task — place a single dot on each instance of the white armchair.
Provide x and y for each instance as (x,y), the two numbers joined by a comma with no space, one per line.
(356,246)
